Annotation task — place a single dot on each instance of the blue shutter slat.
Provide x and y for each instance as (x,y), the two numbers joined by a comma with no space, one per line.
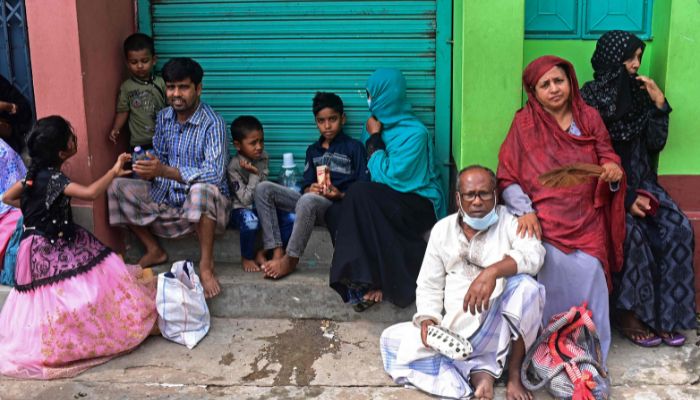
(628,15)
(268,58)
(552,19)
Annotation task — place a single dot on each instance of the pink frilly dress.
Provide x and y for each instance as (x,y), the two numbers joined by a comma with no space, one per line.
(75,304)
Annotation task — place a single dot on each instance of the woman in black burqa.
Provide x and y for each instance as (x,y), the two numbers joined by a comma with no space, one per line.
(654,293)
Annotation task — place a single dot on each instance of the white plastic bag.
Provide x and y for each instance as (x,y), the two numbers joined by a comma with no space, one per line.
(183,315)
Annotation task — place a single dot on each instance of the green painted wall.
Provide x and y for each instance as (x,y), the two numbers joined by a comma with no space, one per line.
(578,52)
(681,155)
(659,28)
(490,54)
(671,60)
(487,62)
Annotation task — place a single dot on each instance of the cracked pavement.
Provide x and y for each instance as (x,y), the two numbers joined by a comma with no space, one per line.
(316,359)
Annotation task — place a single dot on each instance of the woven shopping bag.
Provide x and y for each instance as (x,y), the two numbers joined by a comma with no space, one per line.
(183,315)
(566,358)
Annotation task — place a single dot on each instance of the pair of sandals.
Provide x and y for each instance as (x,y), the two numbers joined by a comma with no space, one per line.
(673,339)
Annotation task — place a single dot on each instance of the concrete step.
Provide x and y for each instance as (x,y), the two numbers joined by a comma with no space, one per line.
(319,250)
(303,294)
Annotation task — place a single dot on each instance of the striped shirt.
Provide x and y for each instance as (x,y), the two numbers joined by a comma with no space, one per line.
(197,148)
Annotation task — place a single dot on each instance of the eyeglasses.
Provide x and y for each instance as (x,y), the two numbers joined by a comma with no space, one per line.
(484,196)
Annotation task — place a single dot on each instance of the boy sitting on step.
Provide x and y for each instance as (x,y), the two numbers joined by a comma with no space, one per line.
(335,152)
(245,170)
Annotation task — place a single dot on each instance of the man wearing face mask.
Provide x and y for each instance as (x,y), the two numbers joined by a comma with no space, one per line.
(476,268)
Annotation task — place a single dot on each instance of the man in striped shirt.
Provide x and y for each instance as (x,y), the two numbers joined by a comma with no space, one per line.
(183,187)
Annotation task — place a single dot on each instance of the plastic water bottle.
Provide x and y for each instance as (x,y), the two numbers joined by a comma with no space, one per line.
(139,154)
(289,175)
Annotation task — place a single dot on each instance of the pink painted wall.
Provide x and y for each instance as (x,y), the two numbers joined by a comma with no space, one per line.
(57,72)
(77,67)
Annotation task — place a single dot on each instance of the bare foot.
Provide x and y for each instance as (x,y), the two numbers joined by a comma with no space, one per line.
(278,268)
(153,257)
(373,295)
(155,331)
(209,281)
(260,258)
(277,253)
(249,265)
(483,385)
(631,327)
(515,389)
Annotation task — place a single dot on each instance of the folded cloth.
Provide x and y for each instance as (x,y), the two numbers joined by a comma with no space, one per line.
(569,175)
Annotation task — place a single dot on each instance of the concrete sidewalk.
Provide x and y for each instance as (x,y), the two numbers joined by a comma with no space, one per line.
(319,359)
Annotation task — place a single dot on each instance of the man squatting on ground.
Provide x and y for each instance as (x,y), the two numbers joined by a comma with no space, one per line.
(469,256)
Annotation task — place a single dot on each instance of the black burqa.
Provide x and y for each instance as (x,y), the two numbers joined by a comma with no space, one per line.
(657,280)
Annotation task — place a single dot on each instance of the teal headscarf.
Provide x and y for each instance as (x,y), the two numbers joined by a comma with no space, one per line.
(408,164)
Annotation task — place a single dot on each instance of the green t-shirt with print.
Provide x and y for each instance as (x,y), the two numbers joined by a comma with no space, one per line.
(143,100)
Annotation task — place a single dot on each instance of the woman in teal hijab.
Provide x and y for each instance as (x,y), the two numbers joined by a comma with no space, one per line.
(380,239)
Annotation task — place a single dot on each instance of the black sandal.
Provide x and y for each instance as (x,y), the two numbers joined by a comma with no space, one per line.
(363,305)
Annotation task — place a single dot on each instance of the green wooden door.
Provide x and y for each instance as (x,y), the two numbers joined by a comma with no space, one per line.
(268,58)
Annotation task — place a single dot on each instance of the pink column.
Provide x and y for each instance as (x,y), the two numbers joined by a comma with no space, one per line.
(77,67)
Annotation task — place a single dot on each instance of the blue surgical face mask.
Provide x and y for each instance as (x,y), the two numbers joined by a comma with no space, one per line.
(483,223)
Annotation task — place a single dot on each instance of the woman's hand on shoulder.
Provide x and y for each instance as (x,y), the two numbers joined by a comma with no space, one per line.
(611,172)
(529,224)
(373,126)
(118,167)
(656,95)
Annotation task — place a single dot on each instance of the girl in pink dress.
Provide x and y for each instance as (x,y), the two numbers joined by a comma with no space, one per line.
(75,304)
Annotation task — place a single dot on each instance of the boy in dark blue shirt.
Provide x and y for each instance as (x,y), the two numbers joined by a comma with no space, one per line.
(343,161)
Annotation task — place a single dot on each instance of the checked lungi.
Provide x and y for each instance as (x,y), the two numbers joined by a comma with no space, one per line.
(130,203)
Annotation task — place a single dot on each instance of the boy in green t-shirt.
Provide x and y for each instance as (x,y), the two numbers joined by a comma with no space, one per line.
(141,96)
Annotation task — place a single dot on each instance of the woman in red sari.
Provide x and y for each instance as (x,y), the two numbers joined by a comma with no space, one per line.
(582,227)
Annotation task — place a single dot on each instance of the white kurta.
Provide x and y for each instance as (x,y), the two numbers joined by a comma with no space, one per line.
(452,262)
(450,265)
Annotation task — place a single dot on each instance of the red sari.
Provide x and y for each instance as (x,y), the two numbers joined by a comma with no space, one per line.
(587,217)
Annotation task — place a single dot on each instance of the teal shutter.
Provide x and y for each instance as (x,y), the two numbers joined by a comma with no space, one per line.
(268,59)
(627,15)
(552,19)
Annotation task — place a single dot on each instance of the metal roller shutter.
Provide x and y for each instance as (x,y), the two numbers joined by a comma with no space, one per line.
(268,58)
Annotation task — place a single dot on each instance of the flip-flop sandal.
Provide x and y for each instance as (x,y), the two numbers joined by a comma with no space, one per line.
(673,339)
(651,341)
(363,305)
